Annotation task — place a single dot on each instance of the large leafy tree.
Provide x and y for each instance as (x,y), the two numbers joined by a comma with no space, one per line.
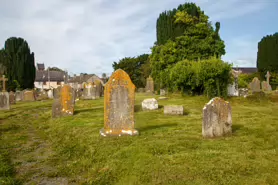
(138,68)
(198,40)
(267,56)
(19,63)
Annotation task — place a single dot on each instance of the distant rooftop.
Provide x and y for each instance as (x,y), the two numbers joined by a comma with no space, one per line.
(40,67)
(247,70)
(54,76)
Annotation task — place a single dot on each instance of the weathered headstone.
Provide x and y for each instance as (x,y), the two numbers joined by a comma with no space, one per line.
(265,84)
(50,94)
(149,85)
(173,109)
(42,95)
(243,92)
(12,97)
(18,95)
(119,99)
(89,91)
(4,95)
(162,92)
(233,88)
(28,95)
(63,105)
(217,118)
(255,85)
(97,85)
(150,104)
(56,92)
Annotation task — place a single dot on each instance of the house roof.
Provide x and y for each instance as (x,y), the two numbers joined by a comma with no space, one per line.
(84,78)
(54,76)
(40,66)
(246,70)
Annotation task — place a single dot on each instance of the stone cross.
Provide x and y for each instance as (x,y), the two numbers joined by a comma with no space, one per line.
(4,80)
(267,77)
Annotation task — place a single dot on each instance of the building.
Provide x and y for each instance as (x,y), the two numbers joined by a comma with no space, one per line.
(77,81)
(46,79)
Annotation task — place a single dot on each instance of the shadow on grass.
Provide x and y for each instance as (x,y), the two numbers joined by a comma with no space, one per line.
(235,128)
(87,110)
(151,127)
(138,108)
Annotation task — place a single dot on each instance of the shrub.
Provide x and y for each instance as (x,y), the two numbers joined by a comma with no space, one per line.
(207,76)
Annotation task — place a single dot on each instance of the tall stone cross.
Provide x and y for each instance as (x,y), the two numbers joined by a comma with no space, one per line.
(4,84)
(267,77)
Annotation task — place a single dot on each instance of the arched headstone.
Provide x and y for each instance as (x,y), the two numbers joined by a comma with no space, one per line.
(119,105)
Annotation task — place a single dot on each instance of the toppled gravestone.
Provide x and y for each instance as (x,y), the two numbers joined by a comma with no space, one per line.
(150,104)
(173,109)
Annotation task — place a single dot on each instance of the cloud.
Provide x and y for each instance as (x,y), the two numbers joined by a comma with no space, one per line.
(89,35)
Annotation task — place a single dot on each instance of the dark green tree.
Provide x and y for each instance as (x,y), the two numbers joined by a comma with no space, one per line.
(138,68)
(19,63)
(267,55)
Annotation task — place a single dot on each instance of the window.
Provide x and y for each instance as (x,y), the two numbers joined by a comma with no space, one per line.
(44,83)
(58,83)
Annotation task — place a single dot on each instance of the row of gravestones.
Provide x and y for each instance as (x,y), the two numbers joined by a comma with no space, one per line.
(91,91)
(119,98)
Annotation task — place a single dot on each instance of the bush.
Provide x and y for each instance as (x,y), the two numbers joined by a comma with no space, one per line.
(245,79)
(207,76)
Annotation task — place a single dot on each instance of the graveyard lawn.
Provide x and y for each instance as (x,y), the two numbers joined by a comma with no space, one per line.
(169,150)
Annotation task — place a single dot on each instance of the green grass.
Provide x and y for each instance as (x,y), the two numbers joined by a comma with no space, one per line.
(169,149)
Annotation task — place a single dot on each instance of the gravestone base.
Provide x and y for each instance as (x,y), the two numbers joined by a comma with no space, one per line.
(110,133)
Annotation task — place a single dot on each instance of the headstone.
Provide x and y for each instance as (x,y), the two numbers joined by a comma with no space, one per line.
(63,105)
(217,118)
(162,92)
(98,86)
(42,95)
(150,104)
(28,95)
(4,101)
(233,88)
(243,92)
(119,97)
(18,95)
(4,95)
(88,91)
(12,97)
(150,85)
(255,85)
(56,92)
(141,90)
(265,84)
(50,94)
(173,109)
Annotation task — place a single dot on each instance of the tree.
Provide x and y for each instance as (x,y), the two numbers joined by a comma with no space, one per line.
(267,55)
(19,63)
(138,68)
(197,41)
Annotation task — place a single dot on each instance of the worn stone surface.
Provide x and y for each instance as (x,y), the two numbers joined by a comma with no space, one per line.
(119,97)
(243,92)
(28,95)
(56,92)
(89,91)
(162,98)
(4,101)
(217,118)
(41,95)
(173,109)
(255,85)
(149,85)
(150,104)
(63,105)
(266,86)
(18,95)
(50,94)
(98,87)
(12,98)
(162,92)
(141,90)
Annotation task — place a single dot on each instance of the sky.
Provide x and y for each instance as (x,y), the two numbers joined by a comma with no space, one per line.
(87,36)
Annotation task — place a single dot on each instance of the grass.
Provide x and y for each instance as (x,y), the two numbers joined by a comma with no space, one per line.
(169,150)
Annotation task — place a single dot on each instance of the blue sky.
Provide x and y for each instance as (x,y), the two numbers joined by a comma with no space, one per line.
(89,35)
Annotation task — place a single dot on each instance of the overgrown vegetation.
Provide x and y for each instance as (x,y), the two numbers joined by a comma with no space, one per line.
(169,149)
